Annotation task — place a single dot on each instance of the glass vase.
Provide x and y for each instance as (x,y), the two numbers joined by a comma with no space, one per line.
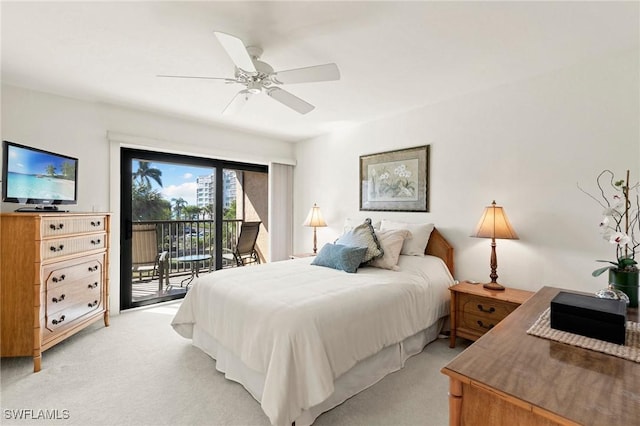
(627,282)
(612,293)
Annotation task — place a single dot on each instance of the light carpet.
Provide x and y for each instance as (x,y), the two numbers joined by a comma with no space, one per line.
(139,371)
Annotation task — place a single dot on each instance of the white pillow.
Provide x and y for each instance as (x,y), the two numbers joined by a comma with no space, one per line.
(420,233)
(391,242)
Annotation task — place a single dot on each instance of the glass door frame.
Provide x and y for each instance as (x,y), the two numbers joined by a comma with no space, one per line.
(127,155)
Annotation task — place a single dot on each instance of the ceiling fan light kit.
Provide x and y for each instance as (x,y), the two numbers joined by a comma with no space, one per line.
(258,76)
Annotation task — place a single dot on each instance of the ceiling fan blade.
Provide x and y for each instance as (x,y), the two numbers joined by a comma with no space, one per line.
(326,72)
(227,80)
(236,50)
(236,104)
(290,100)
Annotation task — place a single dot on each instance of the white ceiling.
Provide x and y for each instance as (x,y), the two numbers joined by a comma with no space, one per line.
(393,56)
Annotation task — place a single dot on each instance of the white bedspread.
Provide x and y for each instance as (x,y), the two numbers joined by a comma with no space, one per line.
(303,326)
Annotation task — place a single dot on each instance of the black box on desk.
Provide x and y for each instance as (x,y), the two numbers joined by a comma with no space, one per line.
(603,319)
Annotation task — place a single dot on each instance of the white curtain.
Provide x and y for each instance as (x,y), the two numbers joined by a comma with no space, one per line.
(280,211)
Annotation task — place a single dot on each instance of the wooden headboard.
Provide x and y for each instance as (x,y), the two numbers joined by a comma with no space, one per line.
(440,247)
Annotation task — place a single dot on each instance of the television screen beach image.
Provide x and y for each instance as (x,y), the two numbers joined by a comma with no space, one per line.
(39,176)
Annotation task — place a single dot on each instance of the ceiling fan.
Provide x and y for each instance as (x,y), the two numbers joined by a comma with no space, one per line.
(258,76)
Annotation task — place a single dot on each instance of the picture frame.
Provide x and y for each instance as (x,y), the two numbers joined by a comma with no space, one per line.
(395,180)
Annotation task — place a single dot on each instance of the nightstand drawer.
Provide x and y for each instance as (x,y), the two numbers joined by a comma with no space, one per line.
(301,255)
(476,324)
(492,309)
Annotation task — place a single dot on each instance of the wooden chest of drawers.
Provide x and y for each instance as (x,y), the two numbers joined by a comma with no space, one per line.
(54,278)
(476,310)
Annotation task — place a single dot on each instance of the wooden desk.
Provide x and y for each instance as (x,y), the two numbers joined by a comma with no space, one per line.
(508,377)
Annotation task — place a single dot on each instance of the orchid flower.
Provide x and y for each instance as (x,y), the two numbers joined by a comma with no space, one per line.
(620,223)
(619,238)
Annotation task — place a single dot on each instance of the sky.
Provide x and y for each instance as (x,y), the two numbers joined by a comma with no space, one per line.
(177,180)
(31,161)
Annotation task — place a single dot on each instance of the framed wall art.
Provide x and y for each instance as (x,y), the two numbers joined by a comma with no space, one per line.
(395,180)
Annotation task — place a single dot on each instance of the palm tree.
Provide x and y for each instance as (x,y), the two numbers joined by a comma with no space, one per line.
(207,211)
(51,170)
(68,170)
(144,174)
(178,205)
(192,212)
(148,204)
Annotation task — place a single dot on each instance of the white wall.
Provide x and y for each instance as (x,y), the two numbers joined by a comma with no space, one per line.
(80,129)
(526,145)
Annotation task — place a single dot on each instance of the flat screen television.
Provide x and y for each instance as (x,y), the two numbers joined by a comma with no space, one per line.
(37,177)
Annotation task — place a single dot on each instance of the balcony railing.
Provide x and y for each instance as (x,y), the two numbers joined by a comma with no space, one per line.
(180,238)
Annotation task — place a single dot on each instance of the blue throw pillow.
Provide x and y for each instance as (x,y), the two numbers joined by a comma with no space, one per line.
(340,257)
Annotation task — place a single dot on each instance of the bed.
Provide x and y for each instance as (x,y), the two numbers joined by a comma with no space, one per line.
(303,338)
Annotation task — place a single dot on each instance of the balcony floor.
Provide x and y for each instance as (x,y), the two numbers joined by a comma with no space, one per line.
(147,288)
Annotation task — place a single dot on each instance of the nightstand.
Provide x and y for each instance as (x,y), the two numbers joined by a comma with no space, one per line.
(475,310)
(301,255)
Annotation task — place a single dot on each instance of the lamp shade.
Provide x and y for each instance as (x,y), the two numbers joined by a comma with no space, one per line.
(494,224)
(315,218)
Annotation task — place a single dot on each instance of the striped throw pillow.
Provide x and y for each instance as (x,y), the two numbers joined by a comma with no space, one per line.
(363,235)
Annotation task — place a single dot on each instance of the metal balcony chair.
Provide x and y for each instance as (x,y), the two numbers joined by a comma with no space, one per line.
(245,251)
(146,259)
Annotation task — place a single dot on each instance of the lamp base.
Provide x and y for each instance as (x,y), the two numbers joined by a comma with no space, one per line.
(493,286)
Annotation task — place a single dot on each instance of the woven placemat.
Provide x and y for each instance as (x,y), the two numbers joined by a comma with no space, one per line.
(630,350)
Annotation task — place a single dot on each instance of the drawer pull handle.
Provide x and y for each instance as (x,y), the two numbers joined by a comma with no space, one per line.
(55,249)
(95,242)
(490,310)
(58,279)
(56,227)
(93,268)
(94,304)
(92,286)
(95,223)
(488,327)
(58,321)
(58,299)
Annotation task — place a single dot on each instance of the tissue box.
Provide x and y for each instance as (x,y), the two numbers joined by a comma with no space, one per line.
(603,319)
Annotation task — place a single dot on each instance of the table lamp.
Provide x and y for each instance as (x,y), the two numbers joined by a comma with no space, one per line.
(494,224)
(316,220)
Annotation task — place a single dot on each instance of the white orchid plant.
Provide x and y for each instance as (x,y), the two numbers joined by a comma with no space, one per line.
(620,224)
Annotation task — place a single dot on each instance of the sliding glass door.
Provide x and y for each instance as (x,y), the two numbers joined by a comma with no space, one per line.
(179,216)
